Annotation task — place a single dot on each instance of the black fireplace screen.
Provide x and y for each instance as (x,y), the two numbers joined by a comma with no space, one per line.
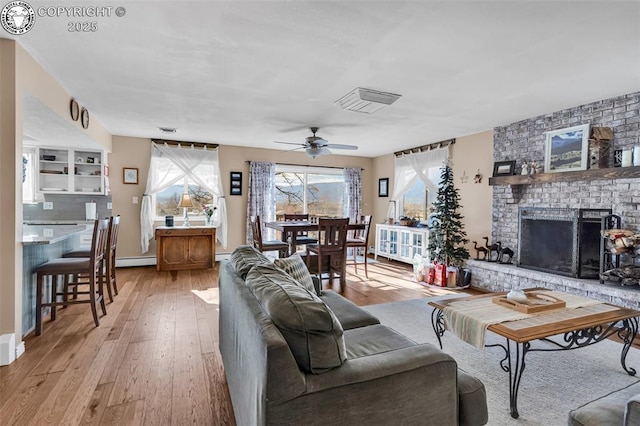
(560,241)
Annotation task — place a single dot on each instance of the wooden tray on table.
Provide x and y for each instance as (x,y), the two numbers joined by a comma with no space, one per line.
(536,302)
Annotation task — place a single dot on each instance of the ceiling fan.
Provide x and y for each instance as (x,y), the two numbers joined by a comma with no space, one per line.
(315,146)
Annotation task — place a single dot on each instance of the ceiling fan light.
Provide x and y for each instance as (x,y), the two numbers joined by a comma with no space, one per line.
(313,151)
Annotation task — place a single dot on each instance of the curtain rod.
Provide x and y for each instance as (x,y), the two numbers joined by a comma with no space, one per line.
(176,143)
(305,165)
(427,147)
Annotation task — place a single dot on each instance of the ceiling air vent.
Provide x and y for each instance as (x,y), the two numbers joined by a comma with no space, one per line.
(366,100)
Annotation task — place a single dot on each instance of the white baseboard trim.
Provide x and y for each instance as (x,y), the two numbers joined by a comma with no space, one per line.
(7,348)
(126,262)
(20,348)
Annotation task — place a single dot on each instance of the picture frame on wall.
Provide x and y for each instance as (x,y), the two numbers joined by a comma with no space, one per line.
(235,183)
(567,149)
(383,187)
(504,168)
(130,175)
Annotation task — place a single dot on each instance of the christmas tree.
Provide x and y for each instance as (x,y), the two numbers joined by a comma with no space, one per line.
(447,236)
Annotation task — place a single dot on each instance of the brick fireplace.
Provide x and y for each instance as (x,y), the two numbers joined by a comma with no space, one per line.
(525,141)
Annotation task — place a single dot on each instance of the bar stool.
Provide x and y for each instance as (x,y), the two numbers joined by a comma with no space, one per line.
(110,256)
(91,266)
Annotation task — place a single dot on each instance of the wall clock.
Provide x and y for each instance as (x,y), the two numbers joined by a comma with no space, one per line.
(84,117)
(74,109)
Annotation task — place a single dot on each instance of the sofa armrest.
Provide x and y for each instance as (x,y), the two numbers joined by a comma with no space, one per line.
(632,411)
(386,364)
(413,386)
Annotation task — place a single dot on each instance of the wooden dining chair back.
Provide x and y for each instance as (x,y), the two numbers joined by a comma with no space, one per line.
(330,251)
(110,257)
(360,239)
(302,237)
(90,267)
(282,247)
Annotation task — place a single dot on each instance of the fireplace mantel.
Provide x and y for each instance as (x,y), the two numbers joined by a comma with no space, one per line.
(591,174)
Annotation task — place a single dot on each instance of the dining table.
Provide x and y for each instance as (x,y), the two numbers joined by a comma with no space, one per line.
(289,230)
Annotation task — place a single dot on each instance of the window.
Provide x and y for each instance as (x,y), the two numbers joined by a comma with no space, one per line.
(28,175)
(317,191)
(416,202)
(166,202)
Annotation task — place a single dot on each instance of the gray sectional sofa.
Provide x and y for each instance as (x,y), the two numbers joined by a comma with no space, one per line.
(619,408)
(292,357)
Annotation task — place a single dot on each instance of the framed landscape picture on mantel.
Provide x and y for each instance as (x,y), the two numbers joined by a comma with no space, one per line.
(567,149)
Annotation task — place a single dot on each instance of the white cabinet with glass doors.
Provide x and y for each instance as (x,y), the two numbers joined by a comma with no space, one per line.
(75,171)
(401,242)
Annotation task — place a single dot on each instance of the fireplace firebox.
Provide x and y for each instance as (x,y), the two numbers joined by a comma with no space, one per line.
(560,241)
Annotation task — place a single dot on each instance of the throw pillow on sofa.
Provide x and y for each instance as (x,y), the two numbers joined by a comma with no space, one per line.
(244,258)
(310,328)
(297,269)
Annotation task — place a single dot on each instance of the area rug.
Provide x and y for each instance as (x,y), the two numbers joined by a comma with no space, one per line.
(553,383)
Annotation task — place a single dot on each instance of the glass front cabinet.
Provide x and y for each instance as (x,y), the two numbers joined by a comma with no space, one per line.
(75,171)
(401,242)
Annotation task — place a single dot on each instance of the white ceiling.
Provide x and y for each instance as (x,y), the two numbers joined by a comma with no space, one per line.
(251,72)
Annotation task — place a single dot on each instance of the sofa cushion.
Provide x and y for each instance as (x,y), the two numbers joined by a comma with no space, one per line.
(605,411)
(376,339)
(311,330)
(472,400)
(297,269)
(244,258)
(349,315)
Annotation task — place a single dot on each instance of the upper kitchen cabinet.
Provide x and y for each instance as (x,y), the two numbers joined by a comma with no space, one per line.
(66,170)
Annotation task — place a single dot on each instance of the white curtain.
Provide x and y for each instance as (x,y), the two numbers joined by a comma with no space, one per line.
(411,167)
(170,165)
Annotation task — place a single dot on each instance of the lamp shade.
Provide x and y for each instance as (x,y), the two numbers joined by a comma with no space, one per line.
(185,201)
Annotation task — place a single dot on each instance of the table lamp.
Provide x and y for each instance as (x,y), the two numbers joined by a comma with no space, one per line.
(185,202)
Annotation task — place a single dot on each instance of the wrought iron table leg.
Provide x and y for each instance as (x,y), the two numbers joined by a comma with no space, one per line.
(515,372)
(437,321)
(628,333)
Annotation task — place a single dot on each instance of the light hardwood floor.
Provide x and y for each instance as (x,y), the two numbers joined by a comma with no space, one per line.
(154,359)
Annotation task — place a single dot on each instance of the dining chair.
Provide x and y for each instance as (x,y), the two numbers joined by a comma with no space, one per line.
(331,248)
(360,239)
(302,237)
(110,256)
(91,266)
(282,247)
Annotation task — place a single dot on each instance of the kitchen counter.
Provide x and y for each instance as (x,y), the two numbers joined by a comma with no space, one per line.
(52,233)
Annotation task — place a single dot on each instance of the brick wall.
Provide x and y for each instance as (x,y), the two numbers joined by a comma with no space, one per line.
(525,140)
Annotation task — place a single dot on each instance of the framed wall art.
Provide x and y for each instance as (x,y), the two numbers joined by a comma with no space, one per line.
(504,168)
(235,185)
(383,187)
(567,149)
(130,175)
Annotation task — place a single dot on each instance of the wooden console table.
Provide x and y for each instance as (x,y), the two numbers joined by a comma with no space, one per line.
(181,248)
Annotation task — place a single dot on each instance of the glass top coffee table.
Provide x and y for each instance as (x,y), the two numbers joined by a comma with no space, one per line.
(579,327)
